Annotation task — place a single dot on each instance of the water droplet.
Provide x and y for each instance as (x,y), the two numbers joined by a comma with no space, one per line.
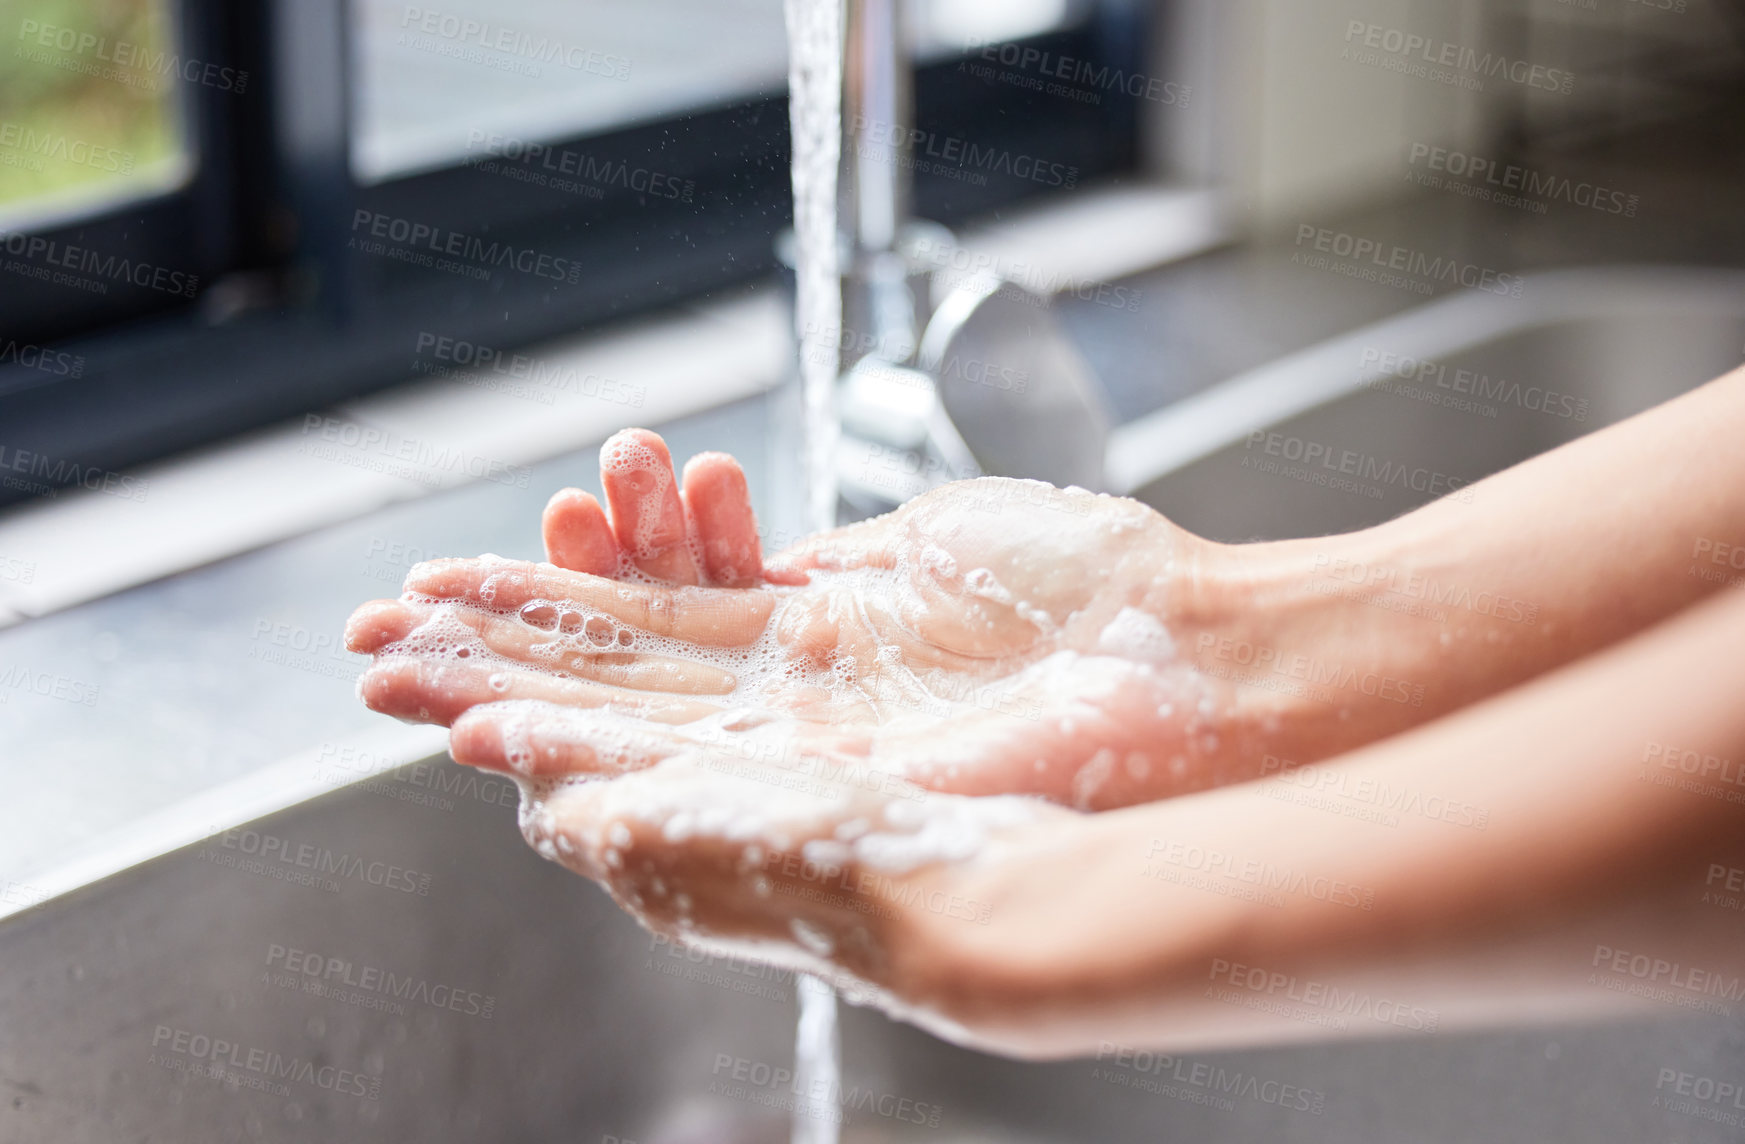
(540,615)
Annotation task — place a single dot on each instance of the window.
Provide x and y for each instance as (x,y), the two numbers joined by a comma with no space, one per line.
(315,182)
(92,117)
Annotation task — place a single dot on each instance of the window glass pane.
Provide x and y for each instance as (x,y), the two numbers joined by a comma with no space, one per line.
(434,80)
(88,106)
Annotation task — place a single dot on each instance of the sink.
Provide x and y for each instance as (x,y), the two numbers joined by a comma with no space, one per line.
(387,960)
(1374,423)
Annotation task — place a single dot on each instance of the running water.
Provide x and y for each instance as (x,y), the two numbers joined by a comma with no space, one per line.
(815,118)
(817,1065)
(815,115)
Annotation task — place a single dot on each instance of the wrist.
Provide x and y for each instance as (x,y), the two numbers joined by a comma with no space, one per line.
(1317,658)
(1064,957)
(988,980)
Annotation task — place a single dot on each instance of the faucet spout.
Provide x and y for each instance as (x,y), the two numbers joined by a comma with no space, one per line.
(877,109)
(884,305)
(934,389)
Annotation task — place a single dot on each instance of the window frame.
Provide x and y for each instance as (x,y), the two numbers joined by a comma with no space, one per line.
(292,318)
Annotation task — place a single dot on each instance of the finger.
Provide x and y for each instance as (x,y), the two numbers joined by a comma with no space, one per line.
(647,515)
(698,880)
(685,846)
(864,544)
(541,740)
(377,624)
(577,535)
(440,691)
(1103,739)
(719,504)
(544,637)
(709,617)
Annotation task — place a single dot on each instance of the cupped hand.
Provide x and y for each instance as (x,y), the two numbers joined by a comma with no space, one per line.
(991,637)
(837,870)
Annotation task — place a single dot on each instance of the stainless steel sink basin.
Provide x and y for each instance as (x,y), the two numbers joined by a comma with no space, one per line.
(388,962)
(1379,421)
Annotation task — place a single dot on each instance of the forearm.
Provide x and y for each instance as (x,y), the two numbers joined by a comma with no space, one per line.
(1479,866)
(1539,565)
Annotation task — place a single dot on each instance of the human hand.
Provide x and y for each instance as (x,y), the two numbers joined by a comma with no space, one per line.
(991,637)
(1533,836)
(698,531)
(660,530)
(836,870)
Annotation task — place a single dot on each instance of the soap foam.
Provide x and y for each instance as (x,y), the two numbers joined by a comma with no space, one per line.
(1136,635)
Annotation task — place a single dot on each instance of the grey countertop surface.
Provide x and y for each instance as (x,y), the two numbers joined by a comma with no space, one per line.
(191,681)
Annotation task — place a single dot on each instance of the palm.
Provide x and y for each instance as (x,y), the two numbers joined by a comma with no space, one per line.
(992,637)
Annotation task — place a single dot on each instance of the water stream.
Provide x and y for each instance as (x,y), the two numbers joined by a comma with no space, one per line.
(815,116)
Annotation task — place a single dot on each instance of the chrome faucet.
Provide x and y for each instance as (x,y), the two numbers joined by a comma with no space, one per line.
(941,381)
